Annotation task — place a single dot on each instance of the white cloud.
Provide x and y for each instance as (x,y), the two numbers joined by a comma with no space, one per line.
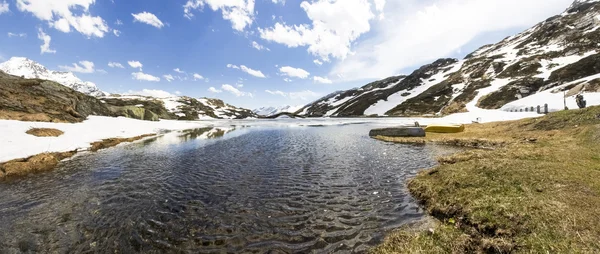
(245,69)
(282,2)
(259,47)
(302,95)
(287,80)
(235,91)
(85,67)
(422,31)
(277,93)
(198,76)
(317,62)
(214,90)
(239,12)
(4,7)
(322,80)
(148,18)
(45,48)
(59,15)
(10,35)
(102,71)
(179,71)
(177,92)
(151,92)
(169,77)
(144,77)
(294,72)
(335,25)
(117,32)
(135,64)
(119,22)
(115,65)
(252,72)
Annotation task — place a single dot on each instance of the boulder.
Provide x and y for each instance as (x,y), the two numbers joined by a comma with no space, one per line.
(398,132)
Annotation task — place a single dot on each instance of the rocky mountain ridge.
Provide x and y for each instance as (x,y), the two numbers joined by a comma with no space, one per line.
(27,68)
(19,70)
(270,111)
(557,55)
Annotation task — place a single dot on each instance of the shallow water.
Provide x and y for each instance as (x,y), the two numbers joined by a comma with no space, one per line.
(253,189)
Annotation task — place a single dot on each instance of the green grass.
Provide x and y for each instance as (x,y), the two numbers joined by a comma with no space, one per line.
(539,192)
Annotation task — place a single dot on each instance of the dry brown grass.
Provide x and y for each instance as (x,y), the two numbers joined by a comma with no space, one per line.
(48,161)
(536,191)
(34,164)
(110,142)
(44,132)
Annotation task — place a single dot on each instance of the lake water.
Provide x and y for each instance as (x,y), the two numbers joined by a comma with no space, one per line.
(220,190)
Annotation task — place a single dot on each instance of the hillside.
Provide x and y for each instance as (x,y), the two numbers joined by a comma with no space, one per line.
(45,101)
(531,68)
(32,92)
(177,108)
(26,68)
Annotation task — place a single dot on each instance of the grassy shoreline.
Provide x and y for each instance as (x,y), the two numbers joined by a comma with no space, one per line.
(536,189)
(48,161)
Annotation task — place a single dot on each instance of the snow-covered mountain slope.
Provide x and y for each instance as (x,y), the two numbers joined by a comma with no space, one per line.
(23,67)
(559,55)
(269,111)
(180,107)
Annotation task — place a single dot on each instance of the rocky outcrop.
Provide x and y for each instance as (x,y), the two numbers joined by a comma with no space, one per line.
(559,50)
(45,101)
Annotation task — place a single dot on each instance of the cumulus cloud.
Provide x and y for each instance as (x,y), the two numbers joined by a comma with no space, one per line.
(119,22)
(85,67)
(255,73)
(148,18)
(294,72)
(235,91)
(169,77)
(198,76)
(115,65)
(282,2)
(302,95)
(117,32)
(144,77)
(214,90)
(179,71)
(335,25)
(151,92)
(422,31)
(4,7)
(259,47)
(317,62)
(135,64)
(322,80)
(45,47)
(287,80)
(59,15)
(239,12)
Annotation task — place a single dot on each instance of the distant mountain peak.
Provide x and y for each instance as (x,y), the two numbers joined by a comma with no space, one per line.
(27,68)
(269,111)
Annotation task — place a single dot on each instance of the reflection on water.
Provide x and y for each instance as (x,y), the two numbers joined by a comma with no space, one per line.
(328,189)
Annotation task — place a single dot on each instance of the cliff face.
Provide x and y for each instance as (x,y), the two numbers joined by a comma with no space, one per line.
(556,55)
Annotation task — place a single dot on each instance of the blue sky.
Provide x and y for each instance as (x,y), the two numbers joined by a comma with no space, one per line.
(252,54)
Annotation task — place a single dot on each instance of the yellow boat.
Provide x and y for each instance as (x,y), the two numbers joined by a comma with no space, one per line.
(445,128)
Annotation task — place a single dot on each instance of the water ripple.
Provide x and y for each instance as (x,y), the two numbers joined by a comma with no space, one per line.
(256,190)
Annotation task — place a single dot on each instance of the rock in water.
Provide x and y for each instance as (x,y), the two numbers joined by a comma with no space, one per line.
(398,132)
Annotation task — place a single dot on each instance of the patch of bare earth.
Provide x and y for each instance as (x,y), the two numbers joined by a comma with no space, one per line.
(48,161)
(44,132)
